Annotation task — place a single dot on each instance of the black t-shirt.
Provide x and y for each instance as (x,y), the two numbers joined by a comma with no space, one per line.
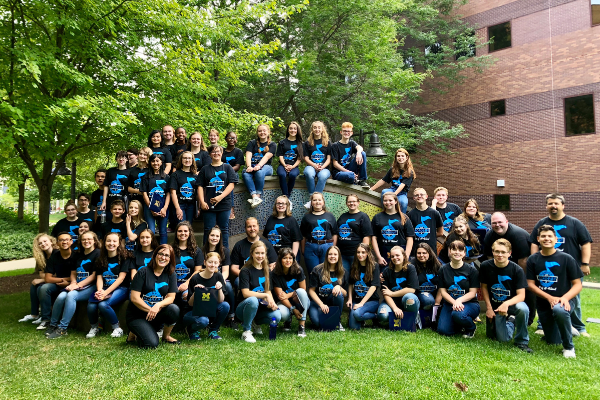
(184,184)
(117,181)
(390,232)
(202,159)
(226,260)
(64,225)
(176,150)
(288,283)
(570,232)
(166,153)
(88,216)
(140,259)
(472,250)
(111,227)
(131,245)
(429,281)
(323,288)
(219,177)
(233,157)
(317,153)
(396,281)
(396,182)
(152,288)
(97,197)
(343,153)
(425,224)
(61,267)
(288,150)
(111,273)
(241,252)
(207,283)
(552,274)
(352,229)
(258,152)
(485,224)
(186,264)
(502,283)
(253,279)
(85,264)
(518,238)
(448,214)
(361,288)
(154,183)
(318,227)
(135,181)
(458,281)
(282,232)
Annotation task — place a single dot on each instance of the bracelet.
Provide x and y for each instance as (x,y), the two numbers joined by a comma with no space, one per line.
(585,264)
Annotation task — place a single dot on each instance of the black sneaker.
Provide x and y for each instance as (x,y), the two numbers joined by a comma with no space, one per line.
(287,325)
(58,333)
(524,348)
(364,184)
(233,324)
(50,329)
(511,319)
(301,331)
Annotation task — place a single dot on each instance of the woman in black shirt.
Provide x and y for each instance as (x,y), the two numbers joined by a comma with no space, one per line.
(354,227)
(134,224)
(188,259)
(157,145)
(363,299)
(400,176)
(476,218)
(234,157)
(428,267)
(319,230)
(461,231)
(259,157)
(281,229)
(183,188)
(289,151)
(156,181)
(198,149)
(143,254)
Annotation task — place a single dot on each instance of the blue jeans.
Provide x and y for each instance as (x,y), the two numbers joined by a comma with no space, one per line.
(255,181)
(196,323)
(331,301)
(47,293)
(402,199)
(230,298)
(310,173)
(576,318)
(161,221)
(347,262)
(368,311)
(314,254)
(248,311)
(34,298)
(287,180)
(66,304)
(506,329)
(286,312)
(189,212)
(221,218)
(556,324)
(426,300)
(383,313)
(451,322)
(119,295)
(360,170)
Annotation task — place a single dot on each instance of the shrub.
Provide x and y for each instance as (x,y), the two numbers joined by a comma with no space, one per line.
(16,236)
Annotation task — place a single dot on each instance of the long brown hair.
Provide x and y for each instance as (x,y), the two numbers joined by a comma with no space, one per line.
(136,221)
(404,265)
(299,138)
(369,264)
(189,142)
(479,216)
(179,166)
(338,270)
(407,169)
(324,134)
(170,269)
(219,247)
(191,245)
(122,253)
(279,269)
(432,264)
(403,217)
(264,264)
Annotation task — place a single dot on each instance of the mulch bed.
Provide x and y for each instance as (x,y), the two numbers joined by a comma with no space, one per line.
(16,284)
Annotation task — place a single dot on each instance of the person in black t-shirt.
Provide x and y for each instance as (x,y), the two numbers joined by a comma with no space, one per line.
(281,229)
(427,266)
(134,225)
(188,260)
(319,230)
(183,184)
(400,282)
(317,155)
(391,227)
(142,255)
(241,251)
(289,287)
(290,153)
(348,159)
(354,227)
(98,196)
(152,294)
(400,176)
(180,144)
(426,221)
(168,134)
(476,219)
(461,231)
(503,286)
(156,181)
(158,147)
(83,210)
(116,224)
(448,211)
(259,157)
(117,179)
(234,157)
(555,278)
(70,223)
(459,282)
(363,300)
(138,168)
(197,147)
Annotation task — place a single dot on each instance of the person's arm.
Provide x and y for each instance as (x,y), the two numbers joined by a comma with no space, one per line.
(163,212)
(339,166)
(178,210)
(489,312)
(439,232)
(249,293)
(131,235)
(235,270)
(249,167)
(203,204)
(295,247)
(392,304)
(87,281)
(366,240)
(586,254)
(446,296)
(115,284)
(380,259)
(327,162)
(534,248)
(334,238)
(146,199)
(283,297)
(397,293)
(377,185)
(399,190)
(576,287)
(308,161)
(215,200)
(372,289)
(523,263)
(409,245)
(49,278)
(503,308)
(264,160)
(359,157)
(303,244)
(73,284)
(136,299)
(167,168)
(105,193)
(459,303)
(225,272)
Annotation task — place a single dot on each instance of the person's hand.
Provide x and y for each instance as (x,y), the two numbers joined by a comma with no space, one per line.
(298,314)
(38,281)
(385,291)
(324,308)
(288,168)
(183,287)
(218,285)
(381,261)
(357,306)
(215,200)
(100,294)
(163,212)
(128,220)
(272,304)
(257,167)
(250,169)
(502,309)
(355,177)
(198,212)
(282,296)
(359,158)
(153,312)
(199,286)
(490,313)
(349,303)
(553,301)
(103,206)
(458,305)
(398,312)
(337,289)
(585,269)
(179,213)
(72,286)
(565,303)
(63,284)
(204,206)
(155,214)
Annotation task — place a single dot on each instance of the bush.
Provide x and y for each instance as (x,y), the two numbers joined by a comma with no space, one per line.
(16,236)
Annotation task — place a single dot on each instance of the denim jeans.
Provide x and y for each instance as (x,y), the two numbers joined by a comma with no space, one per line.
(347,262)
(119,295)
(230,298)
(47,294)
(195,323)
(368,311)
(189,212)
(221,218)
(286,312)
(314,254)
(360,170)
(146,330)
(506,329)
(556,324)
(331,301)
(383,313)
(576,318)
(402,199)
(34,298)
(287,180)
(310,173)
(451,322)
(255,181)
(161,221)
(426,300)
(66,304)
(248,311)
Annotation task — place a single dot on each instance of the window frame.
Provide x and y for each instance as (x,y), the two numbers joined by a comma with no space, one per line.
(592,15)
(507,195)
(565,115)
(495,101)
(488,36)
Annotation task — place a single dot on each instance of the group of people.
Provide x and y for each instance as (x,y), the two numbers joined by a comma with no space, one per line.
(425,266)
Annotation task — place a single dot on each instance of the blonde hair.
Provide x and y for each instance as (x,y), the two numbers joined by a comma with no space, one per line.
(311,198)
(437,189)
(148,152)
(347,125)
(397,207)
(38,254)
(137,220)
(288,212)
(268,137)
(324,135)
(404,265)
(264,264)
(213,254)
(338,268)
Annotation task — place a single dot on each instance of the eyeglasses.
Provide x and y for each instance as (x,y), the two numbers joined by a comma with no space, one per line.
(416,196)
(163,255)
(65,240)
(500,253)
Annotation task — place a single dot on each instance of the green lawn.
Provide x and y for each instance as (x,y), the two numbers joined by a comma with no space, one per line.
(15,272)
(350,365)
(594,275)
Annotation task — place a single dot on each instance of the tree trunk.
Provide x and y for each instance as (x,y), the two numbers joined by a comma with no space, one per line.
(44,208)
(21,200)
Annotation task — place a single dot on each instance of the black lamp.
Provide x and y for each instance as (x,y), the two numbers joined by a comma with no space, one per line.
(374,149)
(63,170)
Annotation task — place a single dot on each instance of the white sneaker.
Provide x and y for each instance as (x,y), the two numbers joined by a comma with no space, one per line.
(539,332)
(257,329)
(43,325)
(256,202)
(37,321)
(569,353)
(117,332)
(574,331)
(93,332)
(247,336)
(251,200)
(159,333)
(307,205)
(28,317)
(341,328)
(290,204)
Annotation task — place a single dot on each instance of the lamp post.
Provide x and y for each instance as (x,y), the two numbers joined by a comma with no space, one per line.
(374,149)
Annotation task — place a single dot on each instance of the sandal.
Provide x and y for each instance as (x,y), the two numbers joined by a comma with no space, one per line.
(132,341)
(232,215)
(175,341)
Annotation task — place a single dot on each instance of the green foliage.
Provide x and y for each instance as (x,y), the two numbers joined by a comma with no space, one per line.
(16,236)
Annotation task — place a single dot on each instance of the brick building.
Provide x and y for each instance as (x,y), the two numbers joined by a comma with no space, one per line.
(531,117)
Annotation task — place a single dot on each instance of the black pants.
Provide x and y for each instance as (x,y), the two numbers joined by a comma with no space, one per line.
(530,300)
(146,330)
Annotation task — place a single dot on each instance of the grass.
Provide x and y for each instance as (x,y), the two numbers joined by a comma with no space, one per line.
(351,365)
(594,275)
(15,272)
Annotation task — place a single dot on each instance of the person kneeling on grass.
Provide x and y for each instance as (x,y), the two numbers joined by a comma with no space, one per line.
(152,293)
(363,299)
(209,278)
(255,301)
(112,284)
(289,285)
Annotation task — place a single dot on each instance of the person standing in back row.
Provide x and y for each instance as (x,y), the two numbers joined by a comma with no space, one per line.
(116,187)
(426,221)
(448,211)
(574,239)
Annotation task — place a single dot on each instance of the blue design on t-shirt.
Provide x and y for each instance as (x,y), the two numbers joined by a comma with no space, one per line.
(256,157)
(186,189)
(360,287)
(217,182)
(448,221)
(290,155)
(398,284)
(182,270)
(138,181)
(546,277)
(73,234)
(422,230)
(81,272)
(115,230)
(455,290)
(157,188)
(481,225)
(274,236)
(146,261)
(153,297)
(346,157)
(345,229)
(228,159)
(260,288)
(290,283)
(469,248)
(116,186)
(560,240)
(499,291)
(326,289)
(388,232)
(319,233)
(428,286)
(109,276)
(318,157)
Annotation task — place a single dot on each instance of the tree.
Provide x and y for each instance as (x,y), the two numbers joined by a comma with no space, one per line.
(79,76)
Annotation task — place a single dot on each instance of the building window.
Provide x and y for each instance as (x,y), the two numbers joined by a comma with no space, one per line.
(465,45)
(497,107)
(502,202)
(579,115)
(595,12)
(499,35)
